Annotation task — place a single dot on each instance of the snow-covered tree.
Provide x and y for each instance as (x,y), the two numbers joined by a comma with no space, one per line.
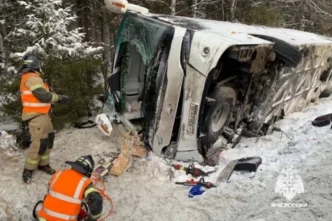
(47,31)
(71,66)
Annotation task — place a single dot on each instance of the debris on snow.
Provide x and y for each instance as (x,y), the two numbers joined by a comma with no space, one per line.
(147,190)
(131,146)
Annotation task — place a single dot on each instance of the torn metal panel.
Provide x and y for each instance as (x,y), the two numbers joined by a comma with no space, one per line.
(255,57)
(172,94)
(193,89)
(299,86)
(207,49)
(189,155)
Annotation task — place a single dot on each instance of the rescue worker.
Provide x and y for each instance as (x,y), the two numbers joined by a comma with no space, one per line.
(36,101)
(66,191)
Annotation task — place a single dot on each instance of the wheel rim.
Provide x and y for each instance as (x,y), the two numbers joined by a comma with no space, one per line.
(220,117)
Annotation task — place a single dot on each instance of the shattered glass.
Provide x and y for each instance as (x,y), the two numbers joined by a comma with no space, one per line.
(144,35)
(152,40)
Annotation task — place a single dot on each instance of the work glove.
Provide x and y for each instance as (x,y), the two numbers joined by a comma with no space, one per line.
(65,99)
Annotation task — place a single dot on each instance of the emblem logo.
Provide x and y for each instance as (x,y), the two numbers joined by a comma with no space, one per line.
(289,183)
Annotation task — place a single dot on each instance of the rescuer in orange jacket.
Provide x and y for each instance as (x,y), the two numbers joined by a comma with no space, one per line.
(36,101)
(66,191)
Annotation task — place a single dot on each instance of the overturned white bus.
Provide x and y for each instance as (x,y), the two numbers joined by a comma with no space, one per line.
(199,85)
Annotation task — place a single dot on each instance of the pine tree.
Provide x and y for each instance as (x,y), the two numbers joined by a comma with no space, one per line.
(47,31)
(71,66)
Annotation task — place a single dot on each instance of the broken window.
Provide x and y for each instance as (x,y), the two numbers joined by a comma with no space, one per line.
(137,46)
(144,34)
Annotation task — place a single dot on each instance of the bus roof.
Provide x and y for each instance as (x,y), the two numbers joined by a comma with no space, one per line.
(230,30)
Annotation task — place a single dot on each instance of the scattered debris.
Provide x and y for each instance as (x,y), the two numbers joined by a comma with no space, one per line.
(122,162)
(201,182)
(117,164)
(138,149)
(192,170)
(131,146)
(104,124)
(196,190)
(227,172)
(249,164)
(322,121)
(105,166)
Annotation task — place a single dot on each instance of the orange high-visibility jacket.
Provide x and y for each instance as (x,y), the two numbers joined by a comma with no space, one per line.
(29,102)
(64,198)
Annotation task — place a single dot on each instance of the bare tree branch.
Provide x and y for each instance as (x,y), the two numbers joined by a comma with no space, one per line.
(319,9)
(203,2)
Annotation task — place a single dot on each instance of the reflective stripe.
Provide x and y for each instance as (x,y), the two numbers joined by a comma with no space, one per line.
(59,215)
(89,190)
(88,162)
(95,216)
(64,197)
(55,179)
(44,157)
(28,104)
(32,161)
(27,61)
(55,98)
(75,199)
(41,219)
(26,92)
(79,187)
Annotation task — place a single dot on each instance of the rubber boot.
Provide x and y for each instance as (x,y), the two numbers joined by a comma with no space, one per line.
(47,169)
(27,175)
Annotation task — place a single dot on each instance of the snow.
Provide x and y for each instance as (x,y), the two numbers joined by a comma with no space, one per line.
(49,26)
(6,123)
(22,3)
(234,31)
(146,191)
(8,143)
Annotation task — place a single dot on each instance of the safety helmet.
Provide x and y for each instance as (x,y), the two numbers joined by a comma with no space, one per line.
(31,62)
(84,165)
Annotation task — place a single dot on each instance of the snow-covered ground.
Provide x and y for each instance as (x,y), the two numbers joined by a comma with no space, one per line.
(146,191)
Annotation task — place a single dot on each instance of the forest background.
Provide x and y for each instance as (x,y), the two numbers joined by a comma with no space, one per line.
(75,39)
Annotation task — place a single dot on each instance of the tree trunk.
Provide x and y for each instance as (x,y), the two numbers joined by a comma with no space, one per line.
(107,69)
(173,5)
(233,9)
(195,8)
(222,10)
(87,18)
(92,20)
(107,41)
(3,49)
